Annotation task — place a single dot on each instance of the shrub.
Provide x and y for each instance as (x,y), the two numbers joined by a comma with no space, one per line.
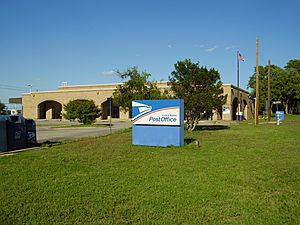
(84,110)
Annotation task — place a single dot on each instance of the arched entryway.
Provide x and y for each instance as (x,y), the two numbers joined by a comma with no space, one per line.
(234,108)
(49,110)
(115,111)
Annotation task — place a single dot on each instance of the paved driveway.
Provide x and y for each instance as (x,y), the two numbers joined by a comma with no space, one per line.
(45,131)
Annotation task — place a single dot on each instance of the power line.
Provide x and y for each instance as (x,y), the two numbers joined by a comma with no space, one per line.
(16,88)
(13,89)
(11,86)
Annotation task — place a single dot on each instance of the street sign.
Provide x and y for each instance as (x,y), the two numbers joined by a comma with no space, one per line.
(277,102)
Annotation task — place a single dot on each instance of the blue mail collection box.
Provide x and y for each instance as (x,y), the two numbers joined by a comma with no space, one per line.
(16,133)
(280,114)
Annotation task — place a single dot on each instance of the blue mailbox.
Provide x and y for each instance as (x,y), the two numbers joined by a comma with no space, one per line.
(279,114)
(158,122)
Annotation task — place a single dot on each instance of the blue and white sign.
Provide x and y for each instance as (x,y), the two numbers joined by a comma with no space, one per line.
(158,122)
(162,113)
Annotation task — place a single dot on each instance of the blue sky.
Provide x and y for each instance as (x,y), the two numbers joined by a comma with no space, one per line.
(47,42)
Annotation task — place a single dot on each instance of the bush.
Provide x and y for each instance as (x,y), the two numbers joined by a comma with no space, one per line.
(84,110)
(297,110)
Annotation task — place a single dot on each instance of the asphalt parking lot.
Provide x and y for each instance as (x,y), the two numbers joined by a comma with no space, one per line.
(53,130)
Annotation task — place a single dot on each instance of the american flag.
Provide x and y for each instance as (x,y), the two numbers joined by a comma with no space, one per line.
(241,58)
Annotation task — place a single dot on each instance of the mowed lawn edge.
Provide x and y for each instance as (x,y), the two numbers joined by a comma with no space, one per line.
(245,174)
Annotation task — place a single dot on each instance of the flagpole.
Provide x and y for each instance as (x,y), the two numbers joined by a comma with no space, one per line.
(238,69)
(238,84)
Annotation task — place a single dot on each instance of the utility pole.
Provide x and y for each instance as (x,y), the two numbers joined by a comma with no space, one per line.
(238,58)
(269,89)
(257,85)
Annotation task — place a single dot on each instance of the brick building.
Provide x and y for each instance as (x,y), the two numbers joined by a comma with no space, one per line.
(49,104)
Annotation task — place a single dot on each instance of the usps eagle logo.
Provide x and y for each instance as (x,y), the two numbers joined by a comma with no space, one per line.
(140,109)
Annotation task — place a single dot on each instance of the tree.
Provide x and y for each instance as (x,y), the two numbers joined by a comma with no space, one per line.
(200,88)
(285,85)
(84,110)
(277,75)
(293,93)
(293,64)
(137,87)
(2,107)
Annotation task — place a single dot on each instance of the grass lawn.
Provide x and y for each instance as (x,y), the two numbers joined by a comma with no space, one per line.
(245,174)
(287,118)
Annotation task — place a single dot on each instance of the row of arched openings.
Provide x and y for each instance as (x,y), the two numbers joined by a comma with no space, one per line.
(53,110)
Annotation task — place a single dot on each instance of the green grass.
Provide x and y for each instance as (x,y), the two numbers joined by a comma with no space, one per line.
(287,118)
(291,118)
(242,175)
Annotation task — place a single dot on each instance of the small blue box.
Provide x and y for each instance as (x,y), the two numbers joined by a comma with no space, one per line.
(281,115)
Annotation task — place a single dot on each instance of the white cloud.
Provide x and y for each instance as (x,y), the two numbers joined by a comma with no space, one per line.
(211,49)
(170,46)
(231,47)
(199,46)
(109,73)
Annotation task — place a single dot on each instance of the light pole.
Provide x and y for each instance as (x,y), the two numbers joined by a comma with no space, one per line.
(257,85)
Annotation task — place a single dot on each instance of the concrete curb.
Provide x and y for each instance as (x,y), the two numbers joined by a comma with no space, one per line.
(8,153)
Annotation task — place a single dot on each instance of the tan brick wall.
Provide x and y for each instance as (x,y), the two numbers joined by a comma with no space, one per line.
(99,94)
